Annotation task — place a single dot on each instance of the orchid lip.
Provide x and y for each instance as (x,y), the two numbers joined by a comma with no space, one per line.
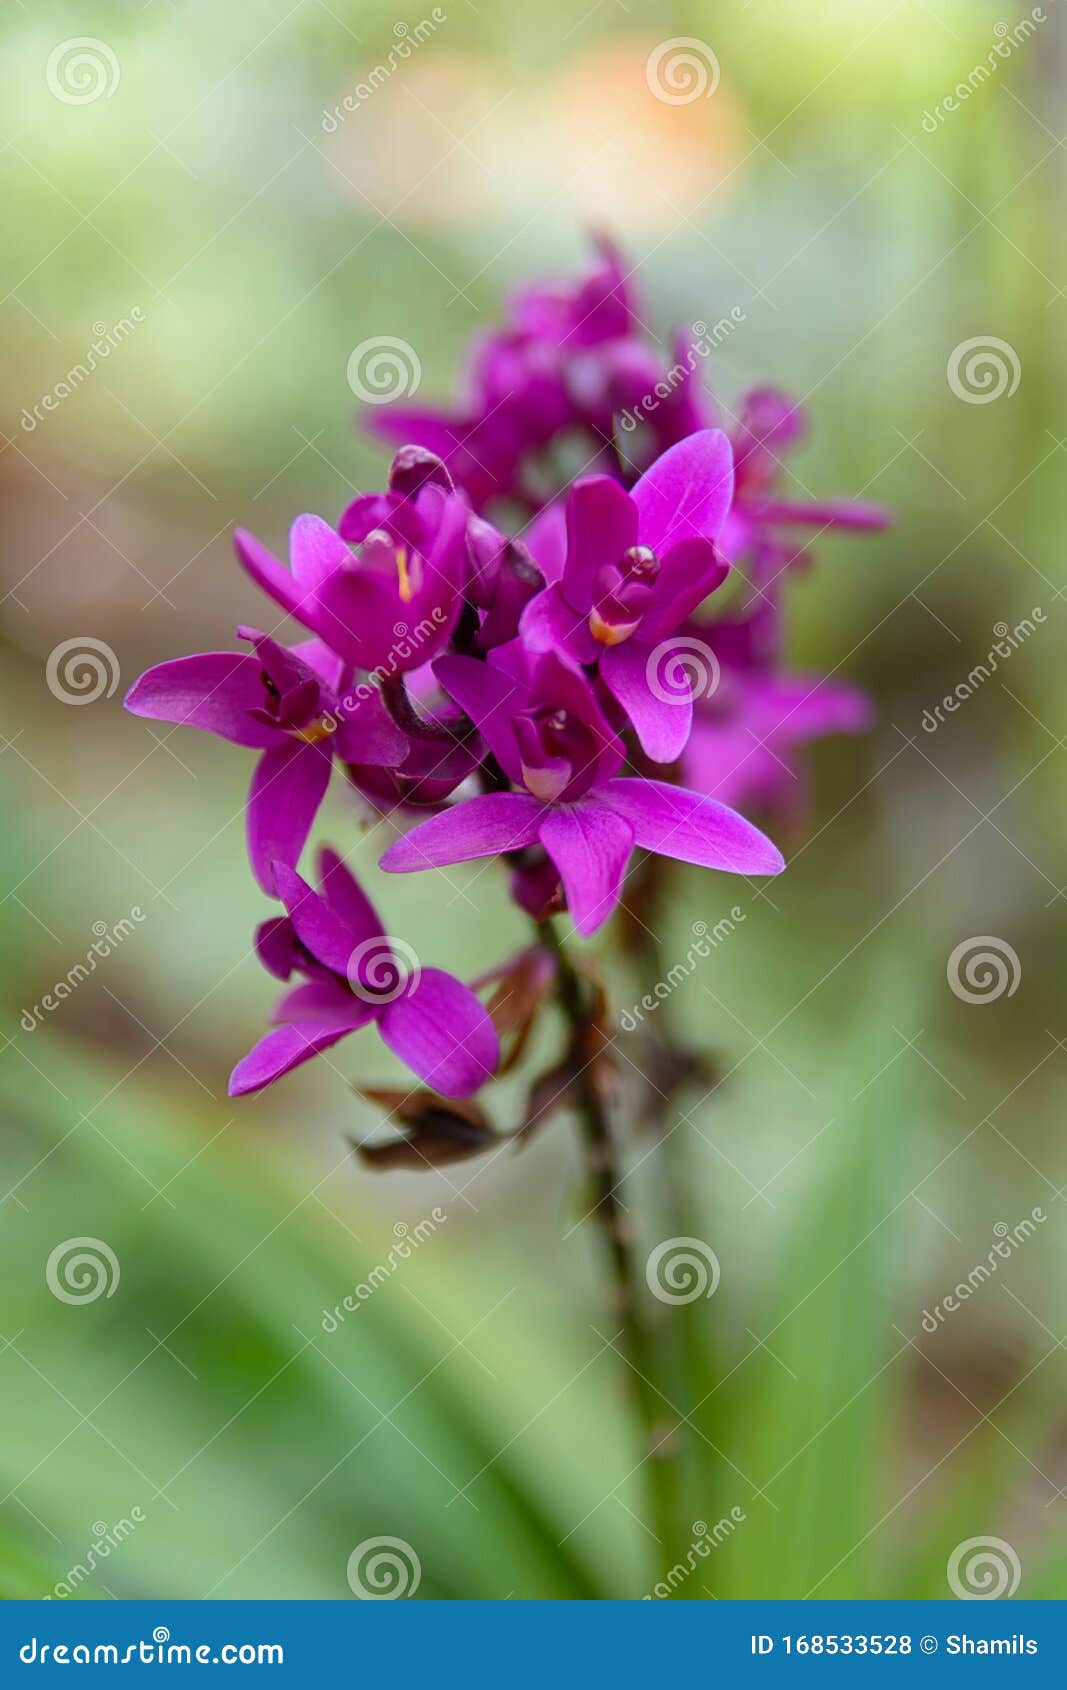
(315,732)
(407,585)
(609,633)
(545,784)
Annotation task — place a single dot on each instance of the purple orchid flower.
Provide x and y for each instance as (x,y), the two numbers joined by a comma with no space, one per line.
(567,360)
(771,423)
(599,307)
(668,407)
(283,703)
(637,564)
(748,726)
(351,977)
(540,718)
(389,605)
(503,580)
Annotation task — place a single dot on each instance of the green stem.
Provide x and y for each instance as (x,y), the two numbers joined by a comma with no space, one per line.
(691,1353)
(658,1425)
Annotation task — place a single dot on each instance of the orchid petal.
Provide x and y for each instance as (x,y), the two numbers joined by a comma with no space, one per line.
(601,525)
(365,731)
(478,827)
(213,690)
(278,1053)
(346,897)
(268,573)
(491,698)
(322,924)
(688,573)
(444,1034)
(661,715)
(803,707)
(590,845)
(317,552)
(692,829)
(687,492)
(548,623)
(288,785)
(323,1003)
(546,541)
(833,513)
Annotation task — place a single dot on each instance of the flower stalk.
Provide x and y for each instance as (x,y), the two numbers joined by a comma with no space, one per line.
(660,1443)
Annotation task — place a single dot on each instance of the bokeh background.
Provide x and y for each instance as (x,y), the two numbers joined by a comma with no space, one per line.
(872,1131)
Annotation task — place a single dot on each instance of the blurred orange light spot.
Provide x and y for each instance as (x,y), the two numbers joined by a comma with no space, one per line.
(449,141)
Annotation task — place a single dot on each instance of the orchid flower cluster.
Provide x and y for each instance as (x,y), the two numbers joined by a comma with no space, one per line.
(523,665)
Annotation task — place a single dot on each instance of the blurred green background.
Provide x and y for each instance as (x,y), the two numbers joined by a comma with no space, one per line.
(872,1130)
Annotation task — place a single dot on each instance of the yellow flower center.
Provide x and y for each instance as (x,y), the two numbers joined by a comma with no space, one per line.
(316,732)
(407,586)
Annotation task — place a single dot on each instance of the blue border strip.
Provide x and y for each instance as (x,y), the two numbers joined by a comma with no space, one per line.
(525,1643)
